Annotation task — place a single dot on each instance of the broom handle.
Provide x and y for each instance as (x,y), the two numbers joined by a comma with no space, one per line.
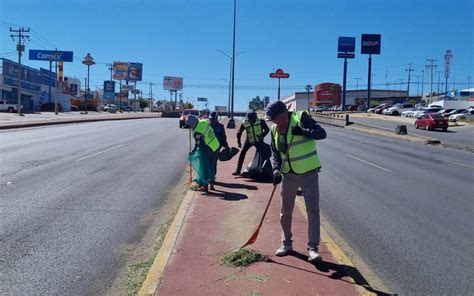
(275,186)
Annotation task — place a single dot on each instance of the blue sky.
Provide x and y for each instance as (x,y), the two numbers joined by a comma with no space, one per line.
(181,38)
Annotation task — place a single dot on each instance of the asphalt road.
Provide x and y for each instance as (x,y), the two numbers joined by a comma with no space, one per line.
(462,136)
(72,196)
(407,209)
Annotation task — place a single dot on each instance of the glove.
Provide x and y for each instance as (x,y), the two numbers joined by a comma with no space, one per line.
(277,178)
(297,131)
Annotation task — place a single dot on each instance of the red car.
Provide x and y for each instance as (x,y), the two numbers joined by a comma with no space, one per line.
(184,115)
(430,121)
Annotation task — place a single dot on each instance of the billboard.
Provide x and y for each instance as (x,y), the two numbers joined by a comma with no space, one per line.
(370,43)
(346,44)
(202,99)
(30,78)
(172,83)
(127,87)
(135,72)
(447,63)
(120,70)
(109,86)
(50,55)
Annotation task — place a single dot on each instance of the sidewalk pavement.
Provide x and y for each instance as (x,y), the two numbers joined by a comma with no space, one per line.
(12,120)
(216,223)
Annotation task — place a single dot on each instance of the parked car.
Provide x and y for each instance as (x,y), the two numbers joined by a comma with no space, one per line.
(49,107)
(4,106)
(455,111)
(112,108)
(397,109)
(425,111)
(431,121)
(409,113)
(445,111)
(380,110)
(372,110)
(466,115)
(126,108)
(184,115)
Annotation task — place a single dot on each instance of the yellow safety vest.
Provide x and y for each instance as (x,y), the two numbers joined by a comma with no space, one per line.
(254,131)
(203,127)
(303,155)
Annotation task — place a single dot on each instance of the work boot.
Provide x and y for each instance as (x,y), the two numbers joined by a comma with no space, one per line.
(236,173)
(284,250)
(211,186)
(313,255)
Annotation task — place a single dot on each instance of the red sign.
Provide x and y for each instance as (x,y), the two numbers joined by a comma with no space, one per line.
(279,73)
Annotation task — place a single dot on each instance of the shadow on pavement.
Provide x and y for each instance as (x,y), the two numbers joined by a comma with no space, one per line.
(340,271)
(230,196)
(236,186)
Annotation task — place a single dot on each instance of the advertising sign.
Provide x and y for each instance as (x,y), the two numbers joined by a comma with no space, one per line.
(120,70)
(30,78)
(202,99)
(346,44)
(73,89)
(135,72)
(109,86)
(279,73)
(343,55)
(172,83)
(50,55)
(126,87)
(371,43)
(447,63)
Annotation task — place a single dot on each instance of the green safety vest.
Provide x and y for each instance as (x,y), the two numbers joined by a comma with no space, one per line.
(254,131)
(203,127)
(303,155)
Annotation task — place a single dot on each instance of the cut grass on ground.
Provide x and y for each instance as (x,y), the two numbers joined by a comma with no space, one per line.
(241,257)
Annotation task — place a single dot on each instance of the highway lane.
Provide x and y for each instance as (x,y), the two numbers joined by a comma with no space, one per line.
(72,196)
(462,136)
(405,208)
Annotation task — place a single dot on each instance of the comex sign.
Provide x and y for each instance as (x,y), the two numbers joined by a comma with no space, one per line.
(50,55)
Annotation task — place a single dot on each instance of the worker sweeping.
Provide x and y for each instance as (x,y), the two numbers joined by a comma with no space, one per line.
(300,170)
(206,147)
(256,129)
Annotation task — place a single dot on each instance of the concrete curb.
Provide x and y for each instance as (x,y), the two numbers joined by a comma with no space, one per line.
(153,279)
(67,121)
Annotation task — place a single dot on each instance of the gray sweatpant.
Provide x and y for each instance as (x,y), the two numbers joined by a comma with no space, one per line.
(309,183)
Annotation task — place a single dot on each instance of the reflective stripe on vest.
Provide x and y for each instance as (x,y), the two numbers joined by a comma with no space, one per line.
(303,155)
(254,131)
(203,127)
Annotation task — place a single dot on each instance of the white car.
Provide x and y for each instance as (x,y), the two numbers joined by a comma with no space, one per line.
(466,115)
(409,113)
(397,109)
(4,106)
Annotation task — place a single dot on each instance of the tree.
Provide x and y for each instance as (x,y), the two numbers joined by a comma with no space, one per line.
(143,103)
(188,105)
(256,104)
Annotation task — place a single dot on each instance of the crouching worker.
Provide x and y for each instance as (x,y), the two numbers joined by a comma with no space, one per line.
(205,149)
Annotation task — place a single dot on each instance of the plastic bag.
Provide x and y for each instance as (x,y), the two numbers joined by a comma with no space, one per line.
(260,167)
(227,153)
(200,162)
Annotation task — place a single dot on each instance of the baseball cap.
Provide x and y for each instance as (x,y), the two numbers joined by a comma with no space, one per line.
(274,109)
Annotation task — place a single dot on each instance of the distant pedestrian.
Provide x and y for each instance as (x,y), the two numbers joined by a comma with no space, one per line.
(219,131)
(207,145)
(256,129)
(298,131)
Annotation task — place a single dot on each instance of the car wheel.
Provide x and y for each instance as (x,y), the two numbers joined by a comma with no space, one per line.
(10,110)
(416,125)
(445,129)
(427,127)
(395,113)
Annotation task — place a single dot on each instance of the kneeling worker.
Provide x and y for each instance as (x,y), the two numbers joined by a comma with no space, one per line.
(298,131)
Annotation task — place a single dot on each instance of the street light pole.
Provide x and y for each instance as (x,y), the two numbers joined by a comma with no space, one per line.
(231,123)
(308,88)
(230,77)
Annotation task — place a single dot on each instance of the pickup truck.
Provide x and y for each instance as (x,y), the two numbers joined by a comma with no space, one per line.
(4,106)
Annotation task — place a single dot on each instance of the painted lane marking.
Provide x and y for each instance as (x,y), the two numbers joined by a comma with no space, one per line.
(369,163)
(100,152)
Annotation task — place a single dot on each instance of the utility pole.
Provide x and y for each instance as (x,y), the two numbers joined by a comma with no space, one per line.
(422,82)
(417,84)
(19,33)
(151,95)
(357,83)
(409,70)
(231,123)
(111,69)
(432,67)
